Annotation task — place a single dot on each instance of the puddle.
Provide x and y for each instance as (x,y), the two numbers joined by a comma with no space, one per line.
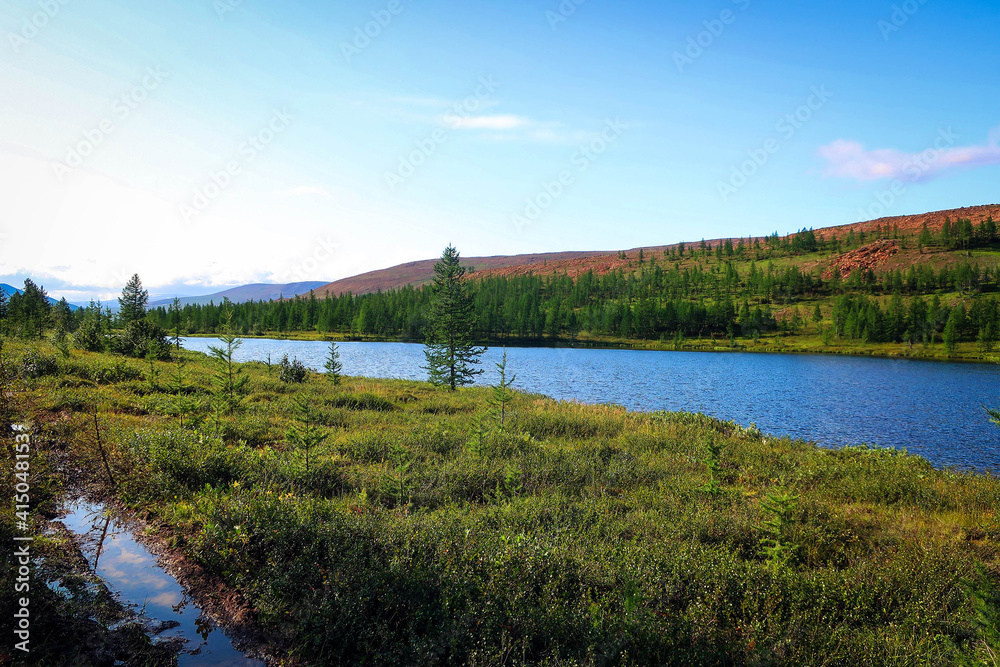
(133,574)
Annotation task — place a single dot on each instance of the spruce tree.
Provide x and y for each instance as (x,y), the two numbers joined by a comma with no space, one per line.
(334,367)
(230,386)
(306,435)
(133,301)
(952,330)
(449,350)
(29,312)
(175,312)
(502,395)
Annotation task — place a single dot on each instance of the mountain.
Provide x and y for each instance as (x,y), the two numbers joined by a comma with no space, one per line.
(255,292)
(601,262)
(9,291)
(422,271)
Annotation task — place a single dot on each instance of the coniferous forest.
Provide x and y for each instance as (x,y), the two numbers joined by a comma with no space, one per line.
(743,289)
(775,286)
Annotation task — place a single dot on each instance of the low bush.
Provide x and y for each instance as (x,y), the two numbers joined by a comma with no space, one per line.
(361,401)
(423,532)
(34,364)
(292,372)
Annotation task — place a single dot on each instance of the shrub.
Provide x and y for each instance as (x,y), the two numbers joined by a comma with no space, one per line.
(166,462)
(89,336)
(293,371)
(139,339)
(34,365)
(103,372)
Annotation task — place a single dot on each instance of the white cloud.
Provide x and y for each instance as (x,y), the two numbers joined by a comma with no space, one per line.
(852,160)
(497,122)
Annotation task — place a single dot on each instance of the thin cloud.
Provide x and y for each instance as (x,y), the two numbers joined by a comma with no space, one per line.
(852,160)
(498,122)
(307,191)
(422,101)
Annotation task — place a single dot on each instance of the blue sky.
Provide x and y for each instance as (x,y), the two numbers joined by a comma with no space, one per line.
(217,142)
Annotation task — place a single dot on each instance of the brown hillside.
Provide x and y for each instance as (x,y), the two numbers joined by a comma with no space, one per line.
(912,224)
(866,257)
(422,271)
(601,262)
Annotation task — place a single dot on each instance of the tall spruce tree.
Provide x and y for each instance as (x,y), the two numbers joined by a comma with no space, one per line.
(175,314)
(133,301)
(29,312)
(449,350)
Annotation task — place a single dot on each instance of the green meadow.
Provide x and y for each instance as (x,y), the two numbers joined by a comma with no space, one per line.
(389,522)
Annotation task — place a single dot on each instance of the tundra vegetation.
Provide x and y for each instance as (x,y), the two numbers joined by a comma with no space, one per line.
(392,522)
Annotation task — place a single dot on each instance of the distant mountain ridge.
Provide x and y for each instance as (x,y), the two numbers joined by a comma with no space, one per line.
(10,290)
(574,263)
(244,293)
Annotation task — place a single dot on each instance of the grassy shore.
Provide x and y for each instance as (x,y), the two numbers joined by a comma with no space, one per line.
(807,342)
(423,531)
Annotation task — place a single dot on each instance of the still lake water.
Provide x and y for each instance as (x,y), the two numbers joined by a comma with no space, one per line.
(929,408)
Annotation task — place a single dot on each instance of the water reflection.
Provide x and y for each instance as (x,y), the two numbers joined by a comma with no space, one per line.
(133,574)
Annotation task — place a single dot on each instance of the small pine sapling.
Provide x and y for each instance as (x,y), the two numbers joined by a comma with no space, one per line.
(501,394)
(306,435)
(230,386)
(713,486)
(778,506)
(334,367)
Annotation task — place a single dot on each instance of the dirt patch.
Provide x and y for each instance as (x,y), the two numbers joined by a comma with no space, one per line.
(866,257)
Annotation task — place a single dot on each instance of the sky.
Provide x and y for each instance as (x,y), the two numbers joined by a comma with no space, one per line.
(209,143)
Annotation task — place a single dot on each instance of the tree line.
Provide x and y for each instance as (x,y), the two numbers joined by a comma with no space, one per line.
(726,290)
(653,301)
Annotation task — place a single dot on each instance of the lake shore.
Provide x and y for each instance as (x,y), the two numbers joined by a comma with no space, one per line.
(964,352)
(591,530)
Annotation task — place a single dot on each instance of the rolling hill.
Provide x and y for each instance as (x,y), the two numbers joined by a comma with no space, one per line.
(244,293)
(601,262)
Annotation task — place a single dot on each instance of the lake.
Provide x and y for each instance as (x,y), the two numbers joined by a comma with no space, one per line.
(933,409)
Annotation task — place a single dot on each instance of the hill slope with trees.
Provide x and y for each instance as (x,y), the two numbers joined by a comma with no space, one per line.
(905,288)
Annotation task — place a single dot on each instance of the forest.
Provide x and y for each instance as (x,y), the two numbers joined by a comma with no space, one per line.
(746,290)
(732,290)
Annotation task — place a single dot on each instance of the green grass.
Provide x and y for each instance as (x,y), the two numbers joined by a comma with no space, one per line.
(578,535)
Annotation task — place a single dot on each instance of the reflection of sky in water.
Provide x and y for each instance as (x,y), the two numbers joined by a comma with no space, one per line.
(131,572)
(932,409)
